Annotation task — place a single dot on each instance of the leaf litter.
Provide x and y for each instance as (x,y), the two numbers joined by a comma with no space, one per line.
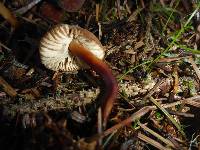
(152,49)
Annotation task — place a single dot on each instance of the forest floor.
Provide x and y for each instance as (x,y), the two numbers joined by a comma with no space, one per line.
(152,48)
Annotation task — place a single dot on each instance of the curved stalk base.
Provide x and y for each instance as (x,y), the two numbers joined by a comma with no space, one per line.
(111,88)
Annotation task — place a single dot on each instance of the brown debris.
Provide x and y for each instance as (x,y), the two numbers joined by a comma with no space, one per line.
(151,48)
(50,12)
(7,88)
(71,5)
(195,67)
(32,93)
(152,142)
(8,15)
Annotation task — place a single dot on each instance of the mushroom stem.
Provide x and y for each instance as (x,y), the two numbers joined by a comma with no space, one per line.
(111,88)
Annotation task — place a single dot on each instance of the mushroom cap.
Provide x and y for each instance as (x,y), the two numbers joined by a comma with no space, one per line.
(54,52)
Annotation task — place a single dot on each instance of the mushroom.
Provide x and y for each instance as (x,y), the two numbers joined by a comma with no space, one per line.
(69,48)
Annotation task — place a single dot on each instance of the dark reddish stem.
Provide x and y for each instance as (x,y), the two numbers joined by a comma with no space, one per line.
(111,88)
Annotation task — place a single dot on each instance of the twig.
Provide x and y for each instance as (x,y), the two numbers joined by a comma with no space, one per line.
(181,114)
(166,141)
(99,122)
(133,16)
(151,141)
(7,88)
(177,125)
(125,122)
(193,141)
(108,139)
(8,15)
(100,30)
(27,8)
(137,115)
(88,21)
(142,3)
(162,3)
(176,80)
(153,89)
(171,59)
(192,103)
(4,46)
(196,69)
(127,7)
(97,12)
(118,9)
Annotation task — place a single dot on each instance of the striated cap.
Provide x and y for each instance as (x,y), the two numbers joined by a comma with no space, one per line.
(54,47)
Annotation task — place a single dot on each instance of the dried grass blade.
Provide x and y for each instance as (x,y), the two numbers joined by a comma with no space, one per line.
(166,141)
(168,115)
(152,142)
